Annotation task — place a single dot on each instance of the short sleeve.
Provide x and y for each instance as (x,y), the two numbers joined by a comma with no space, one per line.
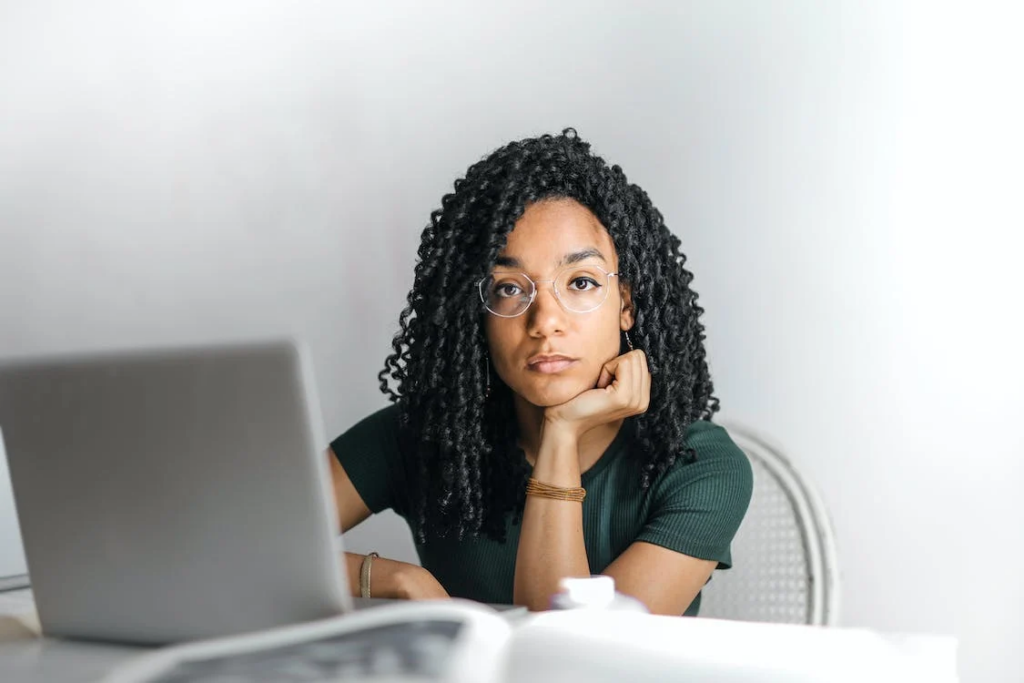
(698,504)
(370,455)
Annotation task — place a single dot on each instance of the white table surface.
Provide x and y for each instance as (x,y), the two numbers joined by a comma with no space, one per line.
(567,646)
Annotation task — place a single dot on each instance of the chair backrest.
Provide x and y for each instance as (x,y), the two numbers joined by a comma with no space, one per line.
(785,567)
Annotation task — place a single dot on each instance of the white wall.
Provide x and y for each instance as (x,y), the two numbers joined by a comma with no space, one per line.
(845,177)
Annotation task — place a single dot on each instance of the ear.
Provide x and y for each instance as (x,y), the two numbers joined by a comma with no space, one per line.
(626,317)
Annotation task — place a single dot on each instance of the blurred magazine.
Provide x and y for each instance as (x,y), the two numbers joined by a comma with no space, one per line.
(446,641)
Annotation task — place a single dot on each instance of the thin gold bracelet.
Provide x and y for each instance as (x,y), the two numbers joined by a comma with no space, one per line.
(537,488)
(364,574)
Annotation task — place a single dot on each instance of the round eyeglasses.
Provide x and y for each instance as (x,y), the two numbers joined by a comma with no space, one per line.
(579,289)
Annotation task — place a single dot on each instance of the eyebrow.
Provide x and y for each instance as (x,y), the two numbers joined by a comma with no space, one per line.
(567,260)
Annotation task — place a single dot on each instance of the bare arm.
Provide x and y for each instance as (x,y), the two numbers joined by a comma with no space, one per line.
(664,580)
(389,578)
(551,540)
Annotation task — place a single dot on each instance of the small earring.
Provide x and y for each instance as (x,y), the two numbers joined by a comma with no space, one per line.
(487,369)
(629,342)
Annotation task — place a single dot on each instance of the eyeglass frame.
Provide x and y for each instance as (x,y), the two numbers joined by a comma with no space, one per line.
(536,289)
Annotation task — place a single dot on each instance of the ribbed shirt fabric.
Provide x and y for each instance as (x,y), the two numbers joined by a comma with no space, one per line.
(694,508)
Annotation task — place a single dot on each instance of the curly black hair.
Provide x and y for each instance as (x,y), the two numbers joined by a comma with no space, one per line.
(461,442)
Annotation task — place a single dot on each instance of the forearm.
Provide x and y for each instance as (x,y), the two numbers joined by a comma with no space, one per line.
(551,539)
(388,578)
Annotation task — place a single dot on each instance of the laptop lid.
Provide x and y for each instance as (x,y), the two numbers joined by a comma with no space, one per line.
(171,495)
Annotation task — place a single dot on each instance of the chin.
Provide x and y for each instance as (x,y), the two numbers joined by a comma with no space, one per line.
(553,393)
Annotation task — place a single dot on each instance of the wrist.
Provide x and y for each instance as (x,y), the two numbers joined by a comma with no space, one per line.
(559,432)
(366,574)
(558,459)
(387,579)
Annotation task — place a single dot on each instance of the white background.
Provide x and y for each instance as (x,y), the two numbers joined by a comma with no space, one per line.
(846,179)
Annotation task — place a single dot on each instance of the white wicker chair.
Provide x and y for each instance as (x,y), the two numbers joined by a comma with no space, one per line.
(785,567)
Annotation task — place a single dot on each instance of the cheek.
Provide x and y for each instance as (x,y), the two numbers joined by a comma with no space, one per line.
(605,338)
(501,339)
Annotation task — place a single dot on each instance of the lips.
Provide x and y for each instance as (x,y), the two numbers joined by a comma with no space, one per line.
(549,363)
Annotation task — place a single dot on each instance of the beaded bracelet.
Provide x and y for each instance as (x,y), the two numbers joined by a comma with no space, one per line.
(536,488)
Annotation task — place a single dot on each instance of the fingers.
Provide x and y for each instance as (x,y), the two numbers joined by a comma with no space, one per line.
(628,379)
(623,390)
(645,388)
(612,374)
(638,360)
(641,381)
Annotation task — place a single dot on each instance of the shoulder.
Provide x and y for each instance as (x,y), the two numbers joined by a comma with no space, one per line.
(369,453)
(697,505)
(711,441)
(376,435)
(716,471)
(379,423)
(388,415)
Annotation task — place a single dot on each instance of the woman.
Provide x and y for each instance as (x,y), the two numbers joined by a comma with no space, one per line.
(552,401)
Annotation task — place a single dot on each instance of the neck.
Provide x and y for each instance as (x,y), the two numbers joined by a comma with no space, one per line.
(591,446)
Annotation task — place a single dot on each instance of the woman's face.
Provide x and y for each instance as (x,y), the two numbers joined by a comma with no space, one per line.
(549,355)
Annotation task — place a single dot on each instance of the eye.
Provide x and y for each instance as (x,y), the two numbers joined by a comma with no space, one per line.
(506,290)
(583,284)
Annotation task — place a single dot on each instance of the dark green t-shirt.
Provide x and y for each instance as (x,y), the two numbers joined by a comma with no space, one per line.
(694,508)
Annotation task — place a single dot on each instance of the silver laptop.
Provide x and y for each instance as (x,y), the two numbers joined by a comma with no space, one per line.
(172,495)
(13,573)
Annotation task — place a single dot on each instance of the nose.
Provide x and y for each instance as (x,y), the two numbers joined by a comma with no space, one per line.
(545,316)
